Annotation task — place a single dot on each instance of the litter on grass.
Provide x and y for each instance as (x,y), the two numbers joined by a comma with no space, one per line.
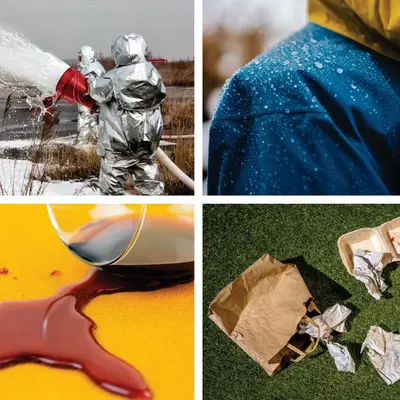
(333,319)
(343,359)
(322,327)
(269,312)
(368,268)
(384,353)
(261,310)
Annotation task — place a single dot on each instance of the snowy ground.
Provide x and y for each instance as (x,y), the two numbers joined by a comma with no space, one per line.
(14,179)
(24,143)
(14,173)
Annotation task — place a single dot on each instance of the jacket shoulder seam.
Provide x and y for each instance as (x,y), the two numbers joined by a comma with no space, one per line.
(253,116)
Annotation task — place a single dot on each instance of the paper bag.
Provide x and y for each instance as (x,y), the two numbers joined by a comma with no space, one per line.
(261,310)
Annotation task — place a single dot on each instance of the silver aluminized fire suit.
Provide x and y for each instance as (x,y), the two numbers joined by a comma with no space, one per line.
(131,125)
(88,130)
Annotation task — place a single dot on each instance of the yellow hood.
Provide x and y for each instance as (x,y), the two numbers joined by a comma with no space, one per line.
(373,23)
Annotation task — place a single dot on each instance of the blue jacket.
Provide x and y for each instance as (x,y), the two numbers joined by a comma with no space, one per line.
(317,114)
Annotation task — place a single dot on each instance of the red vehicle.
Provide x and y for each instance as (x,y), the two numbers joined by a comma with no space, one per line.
(159,60)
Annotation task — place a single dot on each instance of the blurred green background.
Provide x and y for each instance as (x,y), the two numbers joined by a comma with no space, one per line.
(235,236)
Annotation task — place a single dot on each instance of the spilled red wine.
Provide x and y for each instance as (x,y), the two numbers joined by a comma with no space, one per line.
(54,331)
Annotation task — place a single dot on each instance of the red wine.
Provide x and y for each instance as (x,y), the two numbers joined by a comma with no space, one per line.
(54,331)
(103,241)
(163,244)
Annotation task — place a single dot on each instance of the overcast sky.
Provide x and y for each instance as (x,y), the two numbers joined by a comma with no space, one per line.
(62,27)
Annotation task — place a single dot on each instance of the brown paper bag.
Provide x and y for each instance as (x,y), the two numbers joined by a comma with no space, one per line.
(261,309)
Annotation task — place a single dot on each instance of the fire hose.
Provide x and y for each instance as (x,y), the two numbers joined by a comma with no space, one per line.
(73,87)
(174,169)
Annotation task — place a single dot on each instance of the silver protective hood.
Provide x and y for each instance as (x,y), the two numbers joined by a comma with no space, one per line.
(131,125)
(129,49)
(87,56)
(88,65)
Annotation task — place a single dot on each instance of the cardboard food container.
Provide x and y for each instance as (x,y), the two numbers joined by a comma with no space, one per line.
(261,311)
(384,239)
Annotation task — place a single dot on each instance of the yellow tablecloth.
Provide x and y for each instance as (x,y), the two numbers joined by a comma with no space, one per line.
(152,331)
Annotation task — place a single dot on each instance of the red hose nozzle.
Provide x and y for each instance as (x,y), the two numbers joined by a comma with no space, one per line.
(73,87)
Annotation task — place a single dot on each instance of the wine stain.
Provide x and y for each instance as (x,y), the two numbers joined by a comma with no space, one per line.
(55,331)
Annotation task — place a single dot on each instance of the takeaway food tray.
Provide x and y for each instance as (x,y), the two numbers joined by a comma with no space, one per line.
(384,238)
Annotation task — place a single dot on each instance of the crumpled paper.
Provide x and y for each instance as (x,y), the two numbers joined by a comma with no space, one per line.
(368,268)
(342,357)
(384,353)
(322,326)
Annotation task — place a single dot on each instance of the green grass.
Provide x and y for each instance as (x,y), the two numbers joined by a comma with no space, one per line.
(237,235)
